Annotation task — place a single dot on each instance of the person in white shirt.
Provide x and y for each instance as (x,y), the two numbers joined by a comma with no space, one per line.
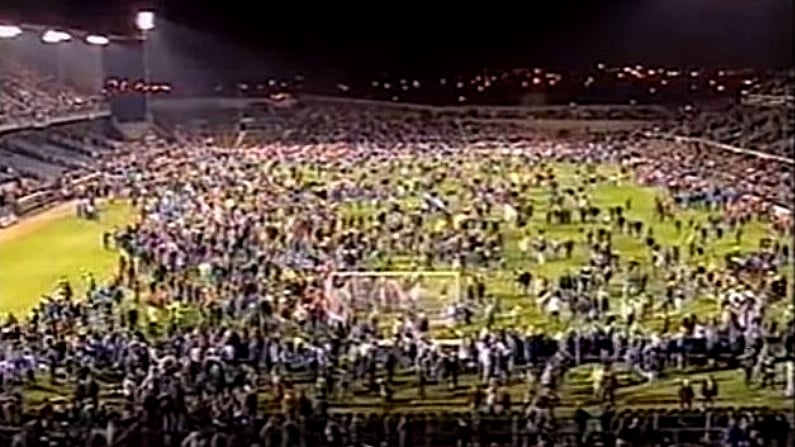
(553,306)
(789,378)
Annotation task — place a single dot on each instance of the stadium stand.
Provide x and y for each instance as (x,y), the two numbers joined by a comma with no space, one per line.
(26,95)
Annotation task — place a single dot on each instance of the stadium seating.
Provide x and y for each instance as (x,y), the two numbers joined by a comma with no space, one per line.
(27,95)
(761,128)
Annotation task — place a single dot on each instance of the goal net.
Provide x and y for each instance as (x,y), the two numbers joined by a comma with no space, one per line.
(392,292)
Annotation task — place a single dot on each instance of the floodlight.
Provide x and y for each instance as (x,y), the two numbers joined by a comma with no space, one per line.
(145,20)
(52,36)
(95,39)
(8,31)
(64,37)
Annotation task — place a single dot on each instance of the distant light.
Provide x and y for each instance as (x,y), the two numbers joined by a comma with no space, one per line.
(652,90)
(97,40)
(145,20)
(416,84)
(9,32)
(461,99)
(600,66)
(721,88)
(52,36)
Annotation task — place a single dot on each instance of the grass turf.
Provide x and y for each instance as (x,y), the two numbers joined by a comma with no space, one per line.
(67,247)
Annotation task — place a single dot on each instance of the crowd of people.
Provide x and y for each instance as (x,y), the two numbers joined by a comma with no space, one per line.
(216,328)
(28,96)
(762,128)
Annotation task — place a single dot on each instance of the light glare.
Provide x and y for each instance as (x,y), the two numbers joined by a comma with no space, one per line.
(145,20)
(52,36)
(8,32)
(97,40)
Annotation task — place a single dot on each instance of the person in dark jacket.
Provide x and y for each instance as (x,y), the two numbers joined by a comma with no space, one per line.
(581,417)
(709,391)
(686,395)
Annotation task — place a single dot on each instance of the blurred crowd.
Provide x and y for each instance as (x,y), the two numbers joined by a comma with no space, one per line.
(762,128)
(27,96)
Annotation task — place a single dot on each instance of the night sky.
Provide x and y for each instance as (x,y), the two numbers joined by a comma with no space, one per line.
(428,36)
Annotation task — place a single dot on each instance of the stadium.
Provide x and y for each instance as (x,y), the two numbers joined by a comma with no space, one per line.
(234,254)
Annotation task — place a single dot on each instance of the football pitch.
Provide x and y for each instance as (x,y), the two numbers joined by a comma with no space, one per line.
(64,247)
(57,245)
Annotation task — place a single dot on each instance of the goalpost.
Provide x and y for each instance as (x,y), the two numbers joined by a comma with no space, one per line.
(392,292)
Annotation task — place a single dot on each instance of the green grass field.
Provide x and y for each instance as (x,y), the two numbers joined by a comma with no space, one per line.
(65,247)
(68,248)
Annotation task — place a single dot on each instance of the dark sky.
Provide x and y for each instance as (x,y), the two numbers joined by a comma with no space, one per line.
(434,35)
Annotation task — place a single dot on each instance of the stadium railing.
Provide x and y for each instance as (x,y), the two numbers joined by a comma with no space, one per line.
(721,146)
(769,100)
(38,200)
(470,108)
(64,118)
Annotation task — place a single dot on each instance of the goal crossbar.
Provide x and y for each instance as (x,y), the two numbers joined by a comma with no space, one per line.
(375,273)
(451,290)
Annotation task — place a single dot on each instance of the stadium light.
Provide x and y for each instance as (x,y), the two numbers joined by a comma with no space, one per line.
(145,20)
(9,32)
(52,36)
(95,39)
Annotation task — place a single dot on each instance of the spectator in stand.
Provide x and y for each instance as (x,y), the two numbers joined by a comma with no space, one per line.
(27,96)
